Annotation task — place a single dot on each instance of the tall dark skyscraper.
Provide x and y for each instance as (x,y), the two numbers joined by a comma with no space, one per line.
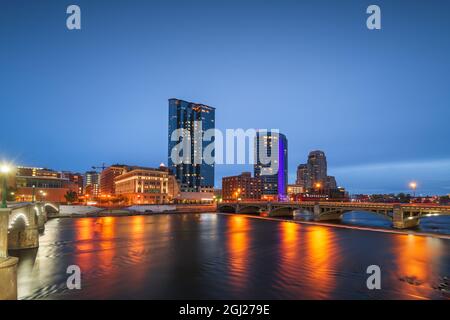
(314,172)
(192,177)
(317,163)
(303,176)
(274,184)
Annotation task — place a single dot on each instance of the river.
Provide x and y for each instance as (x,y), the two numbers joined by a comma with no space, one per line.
(214,256)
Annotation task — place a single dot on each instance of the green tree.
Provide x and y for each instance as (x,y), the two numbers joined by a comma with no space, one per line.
(71,196)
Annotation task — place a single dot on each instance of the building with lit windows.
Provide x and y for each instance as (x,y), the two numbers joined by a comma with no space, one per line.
(191,116)
(75,178)
(243,186)
(143,185)
(107,177)
(317,168)
(274,177)
(303,176)
(37,172)
(331,183)
(313,175)
(41,184)
(294,189)
(92,184)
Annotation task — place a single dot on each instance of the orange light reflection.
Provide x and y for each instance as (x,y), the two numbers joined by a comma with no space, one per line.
(238,246)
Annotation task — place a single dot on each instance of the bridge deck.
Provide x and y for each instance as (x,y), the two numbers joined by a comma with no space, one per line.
(344,204)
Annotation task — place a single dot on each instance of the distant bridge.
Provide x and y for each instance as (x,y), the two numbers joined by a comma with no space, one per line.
(402,215)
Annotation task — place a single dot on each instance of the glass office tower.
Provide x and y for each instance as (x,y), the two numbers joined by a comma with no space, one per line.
(190,116)
(274,182)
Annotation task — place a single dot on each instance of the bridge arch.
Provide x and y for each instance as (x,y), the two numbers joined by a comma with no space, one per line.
(385,216)
(249,209)
(283,211)
(428,215)
(18,220)
(50,208)
(307,210)
(227,209)
(337,214)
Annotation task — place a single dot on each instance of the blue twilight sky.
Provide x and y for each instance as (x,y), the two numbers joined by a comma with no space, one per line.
(377,102)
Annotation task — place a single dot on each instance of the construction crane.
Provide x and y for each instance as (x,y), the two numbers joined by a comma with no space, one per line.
(103,167)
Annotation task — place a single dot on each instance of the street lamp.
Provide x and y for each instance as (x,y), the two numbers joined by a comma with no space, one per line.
(318,186)
(4,170)
(43,195)
(33,197)
(413,186)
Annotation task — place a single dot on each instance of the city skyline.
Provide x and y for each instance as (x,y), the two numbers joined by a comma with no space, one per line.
(363,100)
(225,156)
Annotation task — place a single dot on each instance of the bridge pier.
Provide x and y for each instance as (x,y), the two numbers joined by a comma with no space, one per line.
(316,211)
(325,216)
(402,222)
(23,239)
(8,265)
(42,217)
(329,216)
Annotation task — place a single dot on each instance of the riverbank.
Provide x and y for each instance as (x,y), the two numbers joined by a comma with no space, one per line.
(346,226)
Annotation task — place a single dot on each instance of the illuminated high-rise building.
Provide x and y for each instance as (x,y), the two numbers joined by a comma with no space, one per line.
(274,176)
(192,117)
(92,183)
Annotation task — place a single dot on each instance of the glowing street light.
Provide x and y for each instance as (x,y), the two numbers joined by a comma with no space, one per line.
(318,186)
(43,195)
(5,169)
(413,186)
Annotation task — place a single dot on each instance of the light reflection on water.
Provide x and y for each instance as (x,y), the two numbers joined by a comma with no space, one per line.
(238,248)
(211,256)
(439,224)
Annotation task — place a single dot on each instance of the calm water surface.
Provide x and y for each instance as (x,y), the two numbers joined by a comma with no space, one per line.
(209,256)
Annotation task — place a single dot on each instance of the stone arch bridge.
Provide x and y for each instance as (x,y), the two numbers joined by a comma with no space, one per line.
(20,225)
(26,221)
(403,216)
